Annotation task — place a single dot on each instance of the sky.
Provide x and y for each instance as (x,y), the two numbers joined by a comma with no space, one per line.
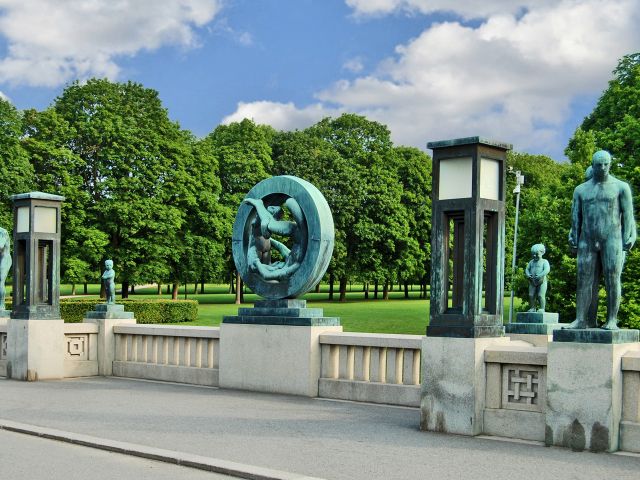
(524,72)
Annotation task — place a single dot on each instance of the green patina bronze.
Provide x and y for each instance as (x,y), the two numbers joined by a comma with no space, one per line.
(108,278)
(603,229)
(309,230)
(5,264)
(536,272)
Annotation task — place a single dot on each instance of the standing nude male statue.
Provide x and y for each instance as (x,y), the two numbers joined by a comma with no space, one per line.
(602,230)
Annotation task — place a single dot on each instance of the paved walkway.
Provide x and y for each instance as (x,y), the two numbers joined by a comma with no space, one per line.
(312,437)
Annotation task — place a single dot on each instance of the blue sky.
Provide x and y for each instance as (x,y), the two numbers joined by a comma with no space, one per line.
(521,71)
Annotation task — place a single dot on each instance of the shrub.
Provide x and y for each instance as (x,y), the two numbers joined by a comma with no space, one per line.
(145,311)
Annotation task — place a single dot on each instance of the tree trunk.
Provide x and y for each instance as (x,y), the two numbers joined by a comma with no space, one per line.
(174,290)
(86,288)
(73,289)
(343,289)
(366,290)
(406,289)
(375,290)
(168,289)
(201,286)
(332,279)
(159,289)
(232,283)
(318,288)
(238,289)
(133,289)
(195,288)
(385,291)
(125,289)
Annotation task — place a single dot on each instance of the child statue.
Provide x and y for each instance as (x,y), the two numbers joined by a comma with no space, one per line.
(536,272)
(108,278)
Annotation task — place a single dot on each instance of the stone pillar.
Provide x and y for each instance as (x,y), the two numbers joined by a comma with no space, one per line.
(453,385)
(106,316)
(584,387)
(35,349)
(274,347)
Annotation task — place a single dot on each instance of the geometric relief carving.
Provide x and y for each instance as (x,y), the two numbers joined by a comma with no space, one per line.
(77,347)
(522,387)
(3,346)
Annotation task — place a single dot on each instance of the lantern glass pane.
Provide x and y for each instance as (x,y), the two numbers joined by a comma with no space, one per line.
(455,178)
(45,220)
(22,220)
(489,179)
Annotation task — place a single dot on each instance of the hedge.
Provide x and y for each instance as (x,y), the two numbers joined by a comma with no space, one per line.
(145,311)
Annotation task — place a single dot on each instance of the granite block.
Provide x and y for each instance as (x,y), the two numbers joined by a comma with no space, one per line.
(596,335)
(281,312)
(289,321)
(532,328)
(282,303)
(536,317)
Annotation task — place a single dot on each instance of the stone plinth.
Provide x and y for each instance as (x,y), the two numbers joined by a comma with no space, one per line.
(596,335)
(584,392)
(454,382)
(109,310)
(534,323)
(107,316)
(35,349)
(274,347)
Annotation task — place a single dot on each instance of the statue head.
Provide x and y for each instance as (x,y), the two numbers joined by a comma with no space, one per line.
(601,163)
(108,264)
(537,251)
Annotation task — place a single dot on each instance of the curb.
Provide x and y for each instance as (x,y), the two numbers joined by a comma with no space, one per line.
(238,470)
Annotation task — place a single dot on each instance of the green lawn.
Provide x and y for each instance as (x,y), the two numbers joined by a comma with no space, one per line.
(396,315)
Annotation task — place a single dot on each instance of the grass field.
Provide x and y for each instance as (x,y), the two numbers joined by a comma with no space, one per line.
(396,315)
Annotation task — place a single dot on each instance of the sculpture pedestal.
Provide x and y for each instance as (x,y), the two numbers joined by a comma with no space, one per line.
(106,316)
(454,382)
(534,327)
(584,389)
(35,349)
(274,347)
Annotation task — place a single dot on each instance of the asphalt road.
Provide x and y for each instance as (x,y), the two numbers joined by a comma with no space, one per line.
(320,438)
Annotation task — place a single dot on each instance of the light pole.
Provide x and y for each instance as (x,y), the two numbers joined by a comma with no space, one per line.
(519,182)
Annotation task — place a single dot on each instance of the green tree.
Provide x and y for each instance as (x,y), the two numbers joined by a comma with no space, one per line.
(133,163)
(15,170)
(243,154)
(380,225)
(313,159)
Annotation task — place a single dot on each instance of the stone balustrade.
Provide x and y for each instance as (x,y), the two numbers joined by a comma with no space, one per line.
(172,354)
(515,392)
(630,424)
(367,367)
(81,349)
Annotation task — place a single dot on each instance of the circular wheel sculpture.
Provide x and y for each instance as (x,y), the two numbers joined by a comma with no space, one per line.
(283,237)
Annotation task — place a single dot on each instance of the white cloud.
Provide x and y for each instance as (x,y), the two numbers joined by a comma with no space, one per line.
(354,65)
(464,8)
(512,78)
(50,43)
(282,116)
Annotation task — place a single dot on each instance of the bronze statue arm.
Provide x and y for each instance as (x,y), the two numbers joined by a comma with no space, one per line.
(576,214)
(628,222)
(280,247)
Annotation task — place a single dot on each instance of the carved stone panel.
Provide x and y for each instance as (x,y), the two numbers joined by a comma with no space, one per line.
(523,387)
(77,347)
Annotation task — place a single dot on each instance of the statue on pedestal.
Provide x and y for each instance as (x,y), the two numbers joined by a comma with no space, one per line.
(108,278)
(602,231)
(536,272)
